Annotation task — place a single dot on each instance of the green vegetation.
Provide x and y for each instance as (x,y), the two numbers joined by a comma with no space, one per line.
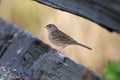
(111,71)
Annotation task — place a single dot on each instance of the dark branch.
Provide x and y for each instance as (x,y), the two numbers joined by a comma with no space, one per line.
(103,12)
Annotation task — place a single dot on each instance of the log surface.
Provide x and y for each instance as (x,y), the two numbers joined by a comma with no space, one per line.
(34,60)
(103,12)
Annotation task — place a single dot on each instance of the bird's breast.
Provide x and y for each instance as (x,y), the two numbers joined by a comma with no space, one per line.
(55,40)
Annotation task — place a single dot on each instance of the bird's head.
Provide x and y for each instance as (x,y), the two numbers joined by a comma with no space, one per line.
(51,27)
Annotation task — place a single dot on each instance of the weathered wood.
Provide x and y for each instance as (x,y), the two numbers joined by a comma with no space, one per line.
(103,12)
(35,60)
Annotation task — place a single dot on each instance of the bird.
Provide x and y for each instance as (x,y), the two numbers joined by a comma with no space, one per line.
(61,39)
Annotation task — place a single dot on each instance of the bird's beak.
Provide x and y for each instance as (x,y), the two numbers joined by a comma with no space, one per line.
(45,27)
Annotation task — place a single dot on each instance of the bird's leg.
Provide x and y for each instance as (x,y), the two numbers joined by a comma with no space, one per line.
(61,49)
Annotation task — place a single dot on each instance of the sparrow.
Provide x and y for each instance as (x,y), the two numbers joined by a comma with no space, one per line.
(61,39)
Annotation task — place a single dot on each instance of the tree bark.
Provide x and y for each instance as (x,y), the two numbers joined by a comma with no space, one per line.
(103,12)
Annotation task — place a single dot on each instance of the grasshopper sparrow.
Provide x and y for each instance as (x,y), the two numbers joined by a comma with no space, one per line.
(61,39)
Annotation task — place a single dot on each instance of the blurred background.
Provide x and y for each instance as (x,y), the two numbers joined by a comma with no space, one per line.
(31,16)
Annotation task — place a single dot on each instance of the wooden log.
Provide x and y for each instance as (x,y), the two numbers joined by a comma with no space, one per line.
(34,60)
(103,12)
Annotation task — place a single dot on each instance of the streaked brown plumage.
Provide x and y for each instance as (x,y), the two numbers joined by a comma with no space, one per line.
(59,38)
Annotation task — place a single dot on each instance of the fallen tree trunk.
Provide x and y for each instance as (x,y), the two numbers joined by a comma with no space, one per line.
(34,60)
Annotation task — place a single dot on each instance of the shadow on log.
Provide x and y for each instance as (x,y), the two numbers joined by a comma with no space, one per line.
(34,60)
(103,12)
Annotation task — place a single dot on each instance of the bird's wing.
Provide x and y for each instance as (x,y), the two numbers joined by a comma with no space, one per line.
(62,37)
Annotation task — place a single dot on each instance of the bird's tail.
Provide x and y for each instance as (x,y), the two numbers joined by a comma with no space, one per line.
(83,46)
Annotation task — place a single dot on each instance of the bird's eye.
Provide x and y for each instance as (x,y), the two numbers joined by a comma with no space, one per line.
(50,26)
